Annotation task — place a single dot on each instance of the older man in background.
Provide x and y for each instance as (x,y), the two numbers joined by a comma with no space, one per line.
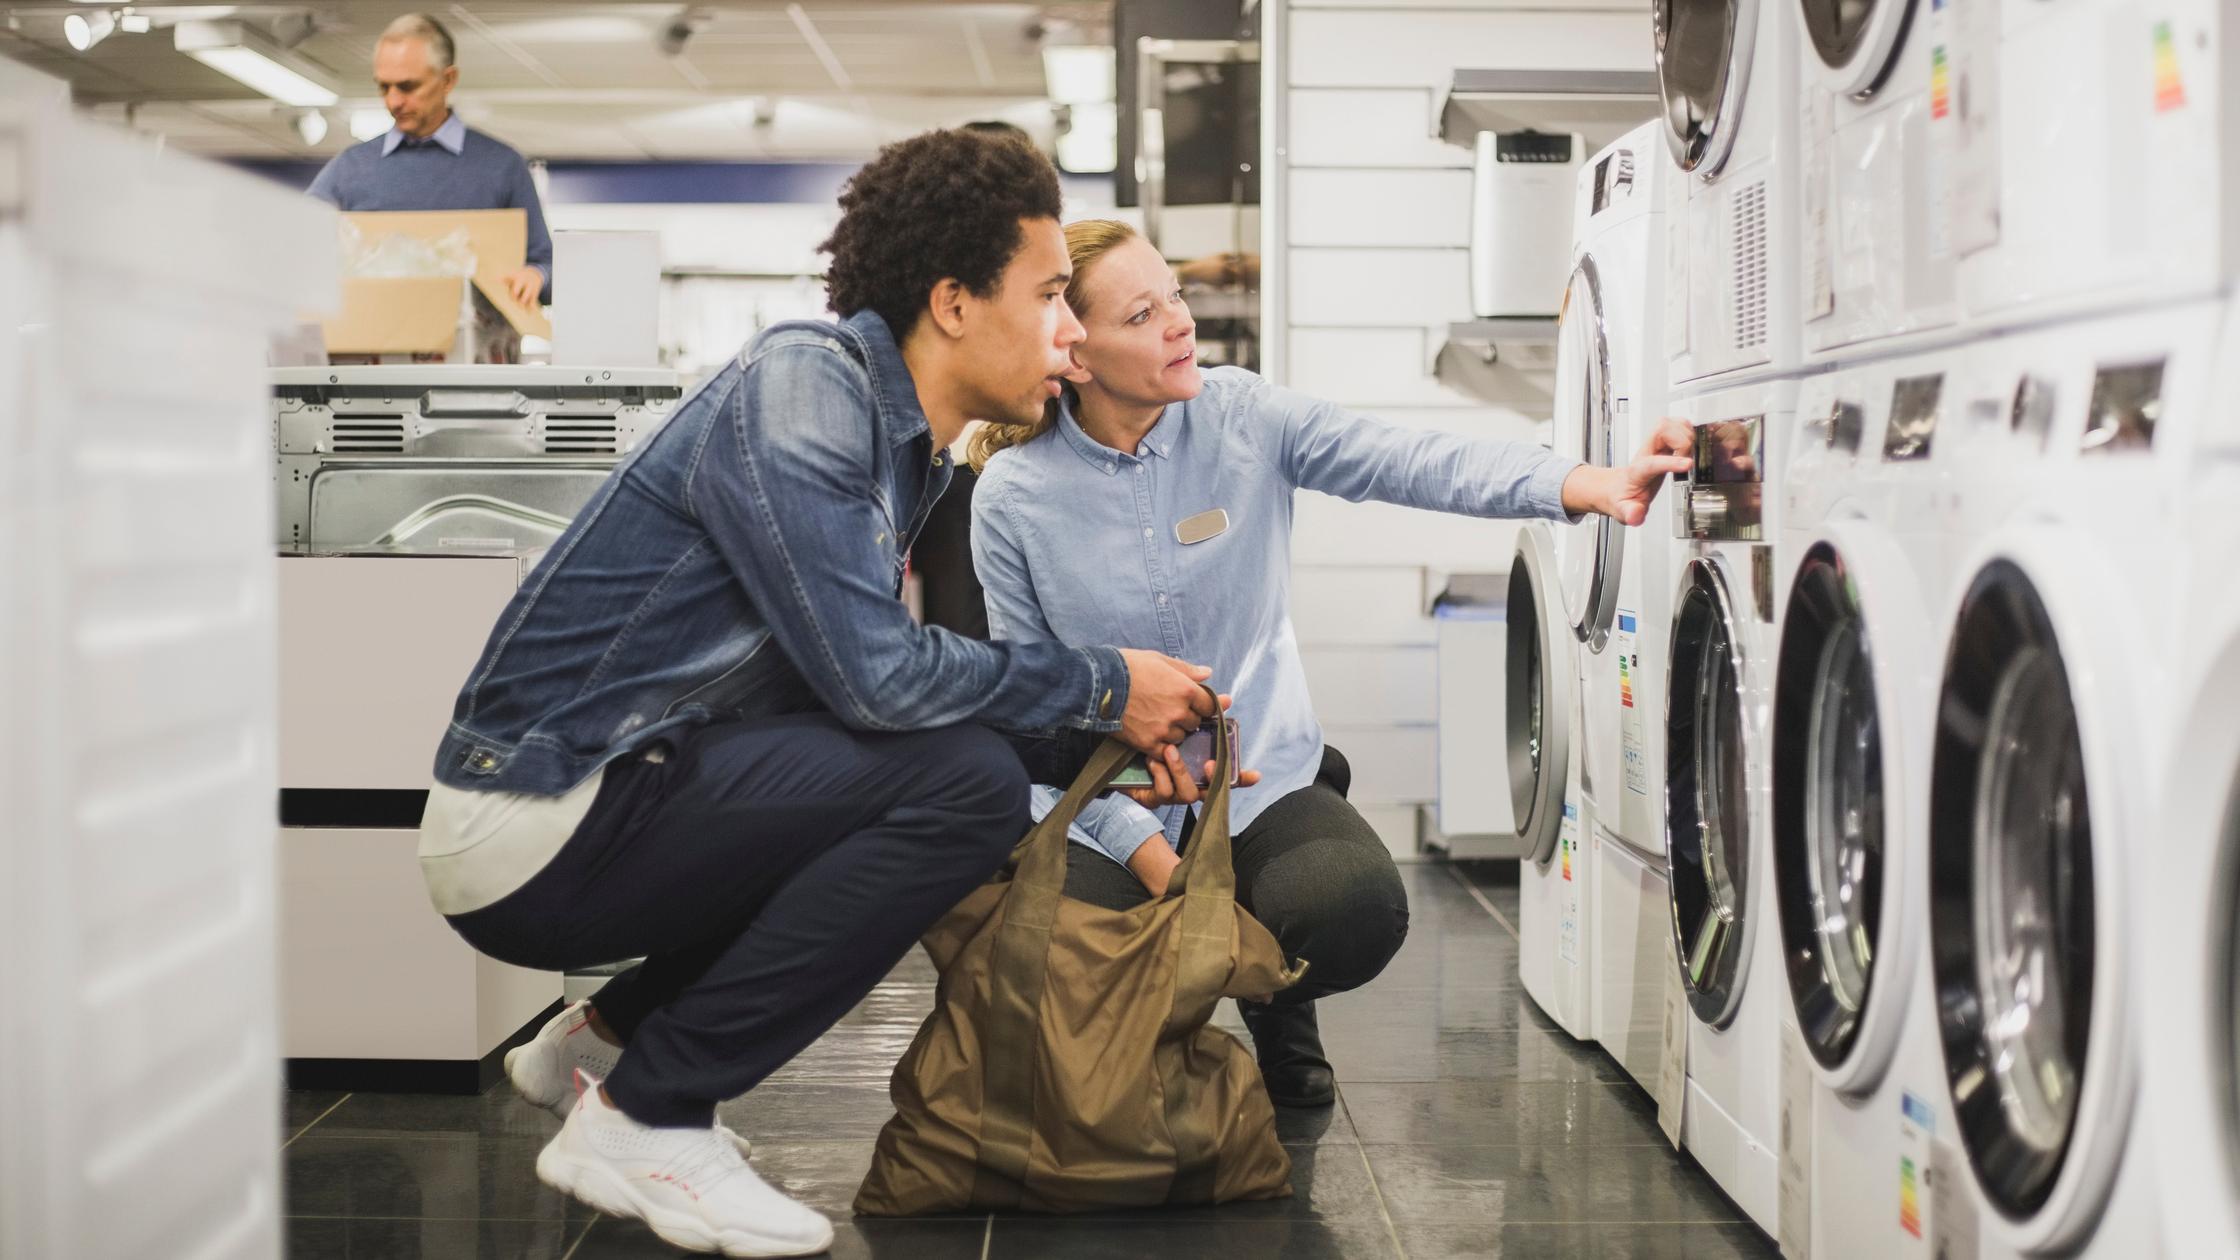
(431,160)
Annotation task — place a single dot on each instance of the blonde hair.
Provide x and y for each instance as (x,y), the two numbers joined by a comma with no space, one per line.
(1086,242)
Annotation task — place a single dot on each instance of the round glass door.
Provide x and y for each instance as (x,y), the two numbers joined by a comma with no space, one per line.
(1583,430)
(1701,46)
(1828,805)
(1707,797)
(2012,913)
(1858,36)
(2228,995)
(1540,676)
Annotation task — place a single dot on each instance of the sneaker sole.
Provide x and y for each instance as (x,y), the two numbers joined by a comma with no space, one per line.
(598,1187)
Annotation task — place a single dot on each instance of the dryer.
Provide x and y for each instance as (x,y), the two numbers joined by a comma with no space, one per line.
(2094,162)
(1727,72)
(1542,712)
(1720,678)
(1617,585)
(1854,686)
(2050,745)
(1877,255)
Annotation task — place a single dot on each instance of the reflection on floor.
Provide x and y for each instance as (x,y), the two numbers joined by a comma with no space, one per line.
(1468,1126)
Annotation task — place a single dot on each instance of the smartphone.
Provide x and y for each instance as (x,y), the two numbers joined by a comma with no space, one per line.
(1197,749)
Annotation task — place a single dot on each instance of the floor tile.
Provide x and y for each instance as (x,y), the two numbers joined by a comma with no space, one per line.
(854,1238)
(857,1049)
(823,1175)
(334,1239)
(1587,1242)
(1391,1051)
(782,1110)
(301,1108)
(1044,1239)
(501,1113)
(1502,1113)
(1461,1185)
(1328,1183)
(421,1177)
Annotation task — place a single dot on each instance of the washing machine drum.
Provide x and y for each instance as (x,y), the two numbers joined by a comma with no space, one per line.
(1697,45)
(1830,859)
(2011,901)
(1707,798)
(1585,430)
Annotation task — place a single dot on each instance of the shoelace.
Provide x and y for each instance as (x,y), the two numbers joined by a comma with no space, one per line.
(699,1169)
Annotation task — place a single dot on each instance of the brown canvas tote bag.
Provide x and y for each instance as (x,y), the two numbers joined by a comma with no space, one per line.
(1068,1065)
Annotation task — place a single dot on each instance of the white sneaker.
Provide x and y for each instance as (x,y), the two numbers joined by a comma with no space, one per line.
(690,1186)
(544,1067)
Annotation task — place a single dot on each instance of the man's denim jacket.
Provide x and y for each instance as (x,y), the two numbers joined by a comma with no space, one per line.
(747,561)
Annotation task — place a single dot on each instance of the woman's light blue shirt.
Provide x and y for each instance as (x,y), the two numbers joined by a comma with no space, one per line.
(1075,541)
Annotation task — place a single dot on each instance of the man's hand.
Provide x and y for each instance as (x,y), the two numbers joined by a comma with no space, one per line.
(1167,700)
(1624,494)
(525,284)
(1170,785)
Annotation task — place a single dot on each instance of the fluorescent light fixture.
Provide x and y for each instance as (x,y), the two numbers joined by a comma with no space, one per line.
(84,32)
(1091,144)
(365,124)
(1078,74)
(236,50)
(135,23)
(312,126)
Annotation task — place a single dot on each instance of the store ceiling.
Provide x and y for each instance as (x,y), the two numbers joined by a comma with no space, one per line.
(826,79)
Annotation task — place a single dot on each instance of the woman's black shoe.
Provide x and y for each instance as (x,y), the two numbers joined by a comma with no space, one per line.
(1288,1043)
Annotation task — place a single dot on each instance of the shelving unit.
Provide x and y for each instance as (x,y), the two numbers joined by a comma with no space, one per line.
(1598,104)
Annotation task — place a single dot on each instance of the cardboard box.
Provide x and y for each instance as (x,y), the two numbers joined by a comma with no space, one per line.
(420,316)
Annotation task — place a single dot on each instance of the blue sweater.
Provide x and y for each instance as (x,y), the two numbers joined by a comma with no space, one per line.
(484,175)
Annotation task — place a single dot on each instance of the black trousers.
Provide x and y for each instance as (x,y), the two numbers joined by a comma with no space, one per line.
(1311,869)
(769,873)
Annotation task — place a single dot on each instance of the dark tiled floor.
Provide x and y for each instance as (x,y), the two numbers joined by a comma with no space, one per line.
(1468,1126)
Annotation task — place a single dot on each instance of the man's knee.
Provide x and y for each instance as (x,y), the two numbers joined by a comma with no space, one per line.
(979,779)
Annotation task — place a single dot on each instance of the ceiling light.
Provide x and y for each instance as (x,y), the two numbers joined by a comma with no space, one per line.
(135,23)
(365,124)
(236,50)
(84,32)
(1078,74)
(312,126)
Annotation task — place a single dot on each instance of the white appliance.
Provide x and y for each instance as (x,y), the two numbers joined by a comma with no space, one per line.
(2192,1075)
(1617,584)
(1877,261)
(1542,706)
(139,291)
(2052,740)
(2094,163)
(1520,221)
(1854,685)
(1724,634)
(1728,74)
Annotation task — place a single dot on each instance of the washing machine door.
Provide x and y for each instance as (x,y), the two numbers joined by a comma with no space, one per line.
(1832,811)
(1859,39)
(1543,679)
(1707,794)
(1584,430)
(2013,912)
(1703,52)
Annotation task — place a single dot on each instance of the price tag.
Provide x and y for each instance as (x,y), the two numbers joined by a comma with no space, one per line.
(1954,1229)
(1795,1220)
(1672,1066)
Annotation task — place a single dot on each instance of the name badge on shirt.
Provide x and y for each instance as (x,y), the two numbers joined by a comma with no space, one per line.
(1196,529)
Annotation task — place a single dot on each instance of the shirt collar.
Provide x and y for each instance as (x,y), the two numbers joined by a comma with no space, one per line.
(1159,441)
(890,376)
(452,135)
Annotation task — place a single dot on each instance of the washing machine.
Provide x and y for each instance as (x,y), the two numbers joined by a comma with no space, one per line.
(1877,255)
(1717,725)
(1617,584)
(1728,74)
(1542,710)
(1855,681)
(2192,1067)
(2064,660)
(2193,992)
(2094,155)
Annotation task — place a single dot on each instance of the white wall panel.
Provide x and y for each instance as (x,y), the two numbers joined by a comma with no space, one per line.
(1384,48)
(1369,127)
(1359,606)
(1373,684)
(1491,6)
(1379,288)
(1487,421)
(1396,826)
(1428,209)
(1392,765)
